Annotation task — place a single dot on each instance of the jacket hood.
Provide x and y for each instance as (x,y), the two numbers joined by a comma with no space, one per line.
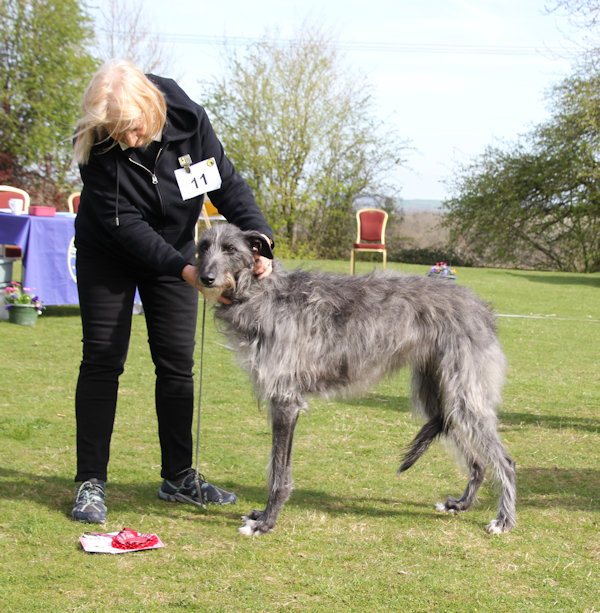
(182,119)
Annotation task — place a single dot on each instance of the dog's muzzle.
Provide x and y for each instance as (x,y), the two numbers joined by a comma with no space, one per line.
(208,280)
(211,289)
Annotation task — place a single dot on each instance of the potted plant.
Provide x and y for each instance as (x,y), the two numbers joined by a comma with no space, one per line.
(442,271)
(23,307)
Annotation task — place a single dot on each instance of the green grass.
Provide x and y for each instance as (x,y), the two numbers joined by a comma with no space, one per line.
(353,535)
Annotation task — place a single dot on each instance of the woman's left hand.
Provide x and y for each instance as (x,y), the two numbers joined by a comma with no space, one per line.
(263,266)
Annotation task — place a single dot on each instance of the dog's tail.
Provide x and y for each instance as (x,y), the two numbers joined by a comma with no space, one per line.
(434,427)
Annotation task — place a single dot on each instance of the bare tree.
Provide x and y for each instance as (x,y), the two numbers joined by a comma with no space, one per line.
(583,13)
(584,16)
(123,30)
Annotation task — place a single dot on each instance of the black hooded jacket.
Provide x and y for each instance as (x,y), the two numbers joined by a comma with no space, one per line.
(131,208)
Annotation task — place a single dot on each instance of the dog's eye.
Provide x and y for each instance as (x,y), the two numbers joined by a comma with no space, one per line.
(229,249)
(202,247)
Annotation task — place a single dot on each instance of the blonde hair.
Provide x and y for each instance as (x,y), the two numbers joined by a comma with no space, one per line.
(118,97)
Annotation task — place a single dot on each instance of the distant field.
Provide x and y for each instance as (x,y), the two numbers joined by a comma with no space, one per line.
(420,206)
(420,228)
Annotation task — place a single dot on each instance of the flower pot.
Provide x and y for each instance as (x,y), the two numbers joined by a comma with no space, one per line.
(23,314)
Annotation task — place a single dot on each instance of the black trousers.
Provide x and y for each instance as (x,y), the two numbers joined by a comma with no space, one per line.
(106,294)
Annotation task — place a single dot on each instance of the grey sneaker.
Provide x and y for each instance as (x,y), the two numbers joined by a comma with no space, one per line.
(185,489)
(89,502)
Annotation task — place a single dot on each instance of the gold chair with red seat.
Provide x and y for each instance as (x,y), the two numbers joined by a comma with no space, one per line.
(73,202)
(370,234)
(6,193)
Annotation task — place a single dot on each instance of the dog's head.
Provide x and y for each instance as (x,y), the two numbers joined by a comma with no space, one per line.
(225,256)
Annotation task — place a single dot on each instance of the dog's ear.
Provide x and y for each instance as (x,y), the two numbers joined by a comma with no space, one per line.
(260,242)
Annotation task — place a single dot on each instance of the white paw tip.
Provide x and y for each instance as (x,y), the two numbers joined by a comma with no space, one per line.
(248,528)
(494,528)
(440,506)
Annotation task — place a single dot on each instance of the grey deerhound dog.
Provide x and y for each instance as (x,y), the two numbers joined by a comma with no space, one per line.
(299,333)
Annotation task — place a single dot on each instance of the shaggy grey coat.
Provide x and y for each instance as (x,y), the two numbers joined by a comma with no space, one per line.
(299,333)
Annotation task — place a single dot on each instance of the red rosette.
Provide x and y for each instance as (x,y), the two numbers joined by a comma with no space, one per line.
(130,539)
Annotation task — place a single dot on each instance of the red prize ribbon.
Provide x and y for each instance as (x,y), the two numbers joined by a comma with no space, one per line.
(130,539)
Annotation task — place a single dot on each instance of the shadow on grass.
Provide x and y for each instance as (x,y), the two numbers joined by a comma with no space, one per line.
(508,419)
(537,487)
(377,400)
(58,494)
(558,279)
(574,489)
(556,422)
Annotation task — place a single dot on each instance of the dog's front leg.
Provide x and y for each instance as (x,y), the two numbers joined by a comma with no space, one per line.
(284,416)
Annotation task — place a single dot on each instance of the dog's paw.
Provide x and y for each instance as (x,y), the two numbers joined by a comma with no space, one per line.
(443,507)
(498,526)
(248,527)
(254,525)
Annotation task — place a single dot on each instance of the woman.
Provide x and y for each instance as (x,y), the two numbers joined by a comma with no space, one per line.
(135,228)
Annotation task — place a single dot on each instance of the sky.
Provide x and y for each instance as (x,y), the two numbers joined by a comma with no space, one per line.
(450,76)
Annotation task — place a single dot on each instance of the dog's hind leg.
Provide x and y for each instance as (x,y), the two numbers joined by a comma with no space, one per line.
(481,446)
(504,468)
(284,417)
(477,473)
(427,397)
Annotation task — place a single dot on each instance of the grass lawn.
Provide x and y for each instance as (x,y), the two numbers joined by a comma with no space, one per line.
(353,536)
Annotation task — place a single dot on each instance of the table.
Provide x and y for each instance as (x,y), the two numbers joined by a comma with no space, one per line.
(48,254)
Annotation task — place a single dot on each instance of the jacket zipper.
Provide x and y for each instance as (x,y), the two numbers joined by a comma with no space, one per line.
(153,176)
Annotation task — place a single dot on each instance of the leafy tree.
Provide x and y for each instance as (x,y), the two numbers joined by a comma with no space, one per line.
(301,132)
(44,69)
(538,203)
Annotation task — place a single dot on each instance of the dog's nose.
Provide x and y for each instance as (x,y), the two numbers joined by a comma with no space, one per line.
(207,280)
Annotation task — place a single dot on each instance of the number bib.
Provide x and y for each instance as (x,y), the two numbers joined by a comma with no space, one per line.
(197,179)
